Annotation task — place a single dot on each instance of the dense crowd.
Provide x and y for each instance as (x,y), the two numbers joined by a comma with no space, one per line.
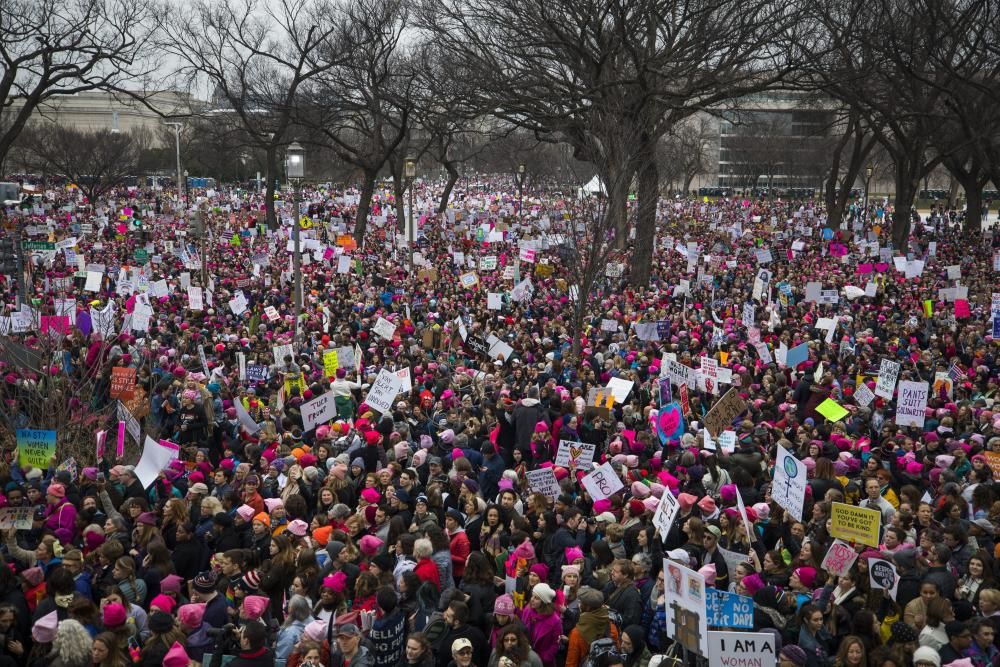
(408,532)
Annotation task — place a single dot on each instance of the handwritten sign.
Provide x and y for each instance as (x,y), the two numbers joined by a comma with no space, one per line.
(383,391)
(724,412)
(575,454)
(35,447)
(543,481)
(603,482)
(330,363)
(729,610)
(122,382)
(318,411)
(911,404)
(887,374)
(839,558)
(666,512)
(742,649)
(384,328)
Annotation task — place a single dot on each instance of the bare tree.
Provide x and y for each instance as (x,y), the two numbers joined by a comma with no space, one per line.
(360,107)
(96,161)
(683,154)
(256,57)
(848,153)
(61,47)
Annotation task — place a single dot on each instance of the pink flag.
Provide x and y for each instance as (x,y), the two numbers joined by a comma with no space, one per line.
(102,440)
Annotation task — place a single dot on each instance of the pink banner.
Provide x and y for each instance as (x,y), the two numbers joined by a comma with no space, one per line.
(120,448)
(102,440)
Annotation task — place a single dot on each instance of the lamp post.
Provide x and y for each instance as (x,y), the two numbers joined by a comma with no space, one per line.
(295,169)
(520,190)
(177,145)
(410,172)
(868,182)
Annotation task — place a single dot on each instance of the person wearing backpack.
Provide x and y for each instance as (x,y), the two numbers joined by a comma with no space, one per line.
(594,634)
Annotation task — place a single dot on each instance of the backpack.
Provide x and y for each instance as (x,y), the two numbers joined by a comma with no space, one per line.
(598,648)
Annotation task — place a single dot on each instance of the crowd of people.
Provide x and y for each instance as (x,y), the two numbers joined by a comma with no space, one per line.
(412,535)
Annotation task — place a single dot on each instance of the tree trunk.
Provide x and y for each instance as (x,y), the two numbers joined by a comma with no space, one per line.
(952,191)
(364,204)
(271,172)
(448,186)
(687,183)
(399,194)
(906,190)
(973,206)
(645,233)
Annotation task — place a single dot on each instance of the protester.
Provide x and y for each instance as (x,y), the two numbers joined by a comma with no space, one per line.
(403,477)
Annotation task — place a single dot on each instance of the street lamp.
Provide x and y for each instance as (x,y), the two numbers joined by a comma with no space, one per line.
(520,190)
(410,172)
(868,182)
(177,144)
(295,169)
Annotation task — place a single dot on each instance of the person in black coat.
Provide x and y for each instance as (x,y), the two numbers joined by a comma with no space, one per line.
(189,555)
(253,647)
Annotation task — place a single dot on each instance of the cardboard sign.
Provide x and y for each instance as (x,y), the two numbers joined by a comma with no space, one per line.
(383,391)
(384,328)
(724,412)
(318,411)
(687,613)
(855,524)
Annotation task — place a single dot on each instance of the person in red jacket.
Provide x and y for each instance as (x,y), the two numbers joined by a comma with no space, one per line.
(426,569)
(460,545)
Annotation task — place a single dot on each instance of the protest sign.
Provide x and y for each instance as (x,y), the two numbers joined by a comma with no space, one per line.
(724,412)
(384,328)
(832,410)
(729,610)
(18,518)
(35,447)
(256,373)
(669,422)
(543,481)
(883,574)
(575,454)
(330,363)
(246,421)
(863,396)
(603,482)
(687,615)
(156,456)
(383,391)
(855,524)
(742,649)
(666,512)
(318,411)
(122,382)
(789,486)
(839,558)
(911,403)
(797,355)
(282,351)
(887,374)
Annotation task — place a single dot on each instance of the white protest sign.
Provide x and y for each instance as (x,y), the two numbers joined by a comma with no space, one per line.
(686,600)
(282,351)
(156,456)
(665,514)
(620,388)
(887,374)
(196,300)
(863,396)
(318,411)
(575,454)
(383,391)
(603,482)
(839,558)
(493,301)
(911,403)
(248,423)
(405,382)
(384,328)
(741,649)
(789,486)
(543,481)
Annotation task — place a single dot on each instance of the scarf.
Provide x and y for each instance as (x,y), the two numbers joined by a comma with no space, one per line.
(840,597)
(593,625)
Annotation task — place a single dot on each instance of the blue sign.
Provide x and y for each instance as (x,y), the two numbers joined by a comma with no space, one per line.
(729,610)
(669,423)
(996,327)
(256,373)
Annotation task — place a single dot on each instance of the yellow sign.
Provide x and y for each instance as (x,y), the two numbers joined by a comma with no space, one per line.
(723,358)
(855,524)
(330,363)
(832,410)
(297,381)
(305,223)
